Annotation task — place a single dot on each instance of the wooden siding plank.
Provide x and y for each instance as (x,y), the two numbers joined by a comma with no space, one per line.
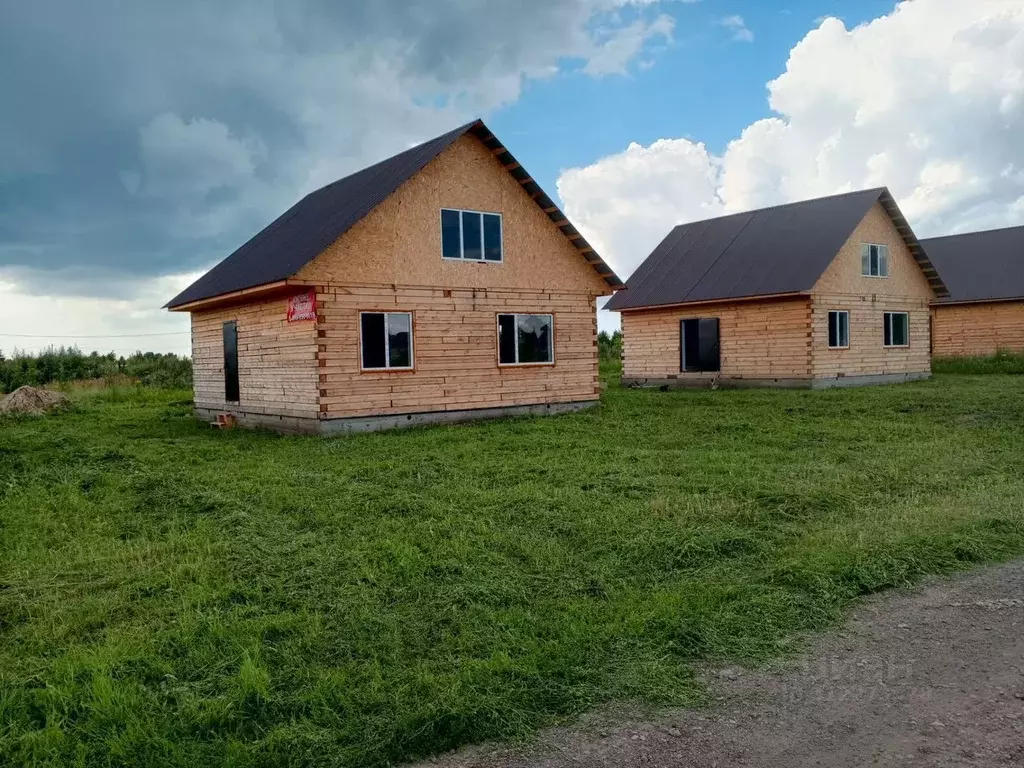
(757,339)
(277,369)
(455,351)
(969,330)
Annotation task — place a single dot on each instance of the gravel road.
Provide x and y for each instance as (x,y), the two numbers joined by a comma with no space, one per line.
(928,677)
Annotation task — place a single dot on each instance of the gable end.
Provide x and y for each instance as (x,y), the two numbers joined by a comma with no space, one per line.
(553,212)
(305,230)
(913,244)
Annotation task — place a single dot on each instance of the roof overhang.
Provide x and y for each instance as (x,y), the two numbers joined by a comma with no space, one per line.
(959,302)
(913,244)
(510,164)
(705,302)
(266,291)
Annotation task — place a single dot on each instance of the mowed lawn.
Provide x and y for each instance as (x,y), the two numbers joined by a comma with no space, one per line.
(175,595)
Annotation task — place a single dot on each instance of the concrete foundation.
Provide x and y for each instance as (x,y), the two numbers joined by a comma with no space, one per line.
(351,425)
(706,381)
(376,423)
(298,425)
(831,382)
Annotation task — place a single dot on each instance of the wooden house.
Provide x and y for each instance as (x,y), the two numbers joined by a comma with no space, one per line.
(985,310)
(821,293)
(440,284)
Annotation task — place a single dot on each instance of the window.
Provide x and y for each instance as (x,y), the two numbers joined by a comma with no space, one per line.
(231,362)
(874,260)
(698,344)
(524,339)
(838,329)
(896,330)
(470,235)
(386,340)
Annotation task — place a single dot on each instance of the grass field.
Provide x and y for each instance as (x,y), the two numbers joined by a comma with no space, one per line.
(1000,362)
(175,595)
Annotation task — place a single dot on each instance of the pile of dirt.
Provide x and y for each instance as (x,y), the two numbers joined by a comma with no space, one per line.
(32,400)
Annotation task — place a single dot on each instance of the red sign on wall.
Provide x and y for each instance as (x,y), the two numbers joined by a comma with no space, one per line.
(302,306)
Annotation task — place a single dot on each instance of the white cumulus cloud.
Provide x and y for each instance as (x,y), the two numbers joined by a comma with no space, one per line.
(927,100)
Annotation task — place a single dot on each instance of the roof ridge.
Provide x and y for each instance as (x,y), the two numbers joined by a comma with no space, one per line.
(791,203)
(459,131)
(972,232)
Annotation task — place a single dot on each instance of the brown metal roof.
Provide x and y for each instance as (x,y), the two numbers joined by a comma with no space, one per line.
(302,232)
(980,266)
(779,250)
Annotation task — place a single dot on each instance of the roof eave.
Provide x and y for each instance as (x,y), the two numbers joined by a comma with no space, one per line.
(986,300)
(931,274)
(221,298)
(546,204)
(704,302)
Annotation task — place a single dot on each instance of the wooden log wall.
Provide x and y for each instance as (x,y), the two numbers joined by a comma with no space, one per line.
(972,330)
(277,367)
(766,339)
(454,351)
(867,354)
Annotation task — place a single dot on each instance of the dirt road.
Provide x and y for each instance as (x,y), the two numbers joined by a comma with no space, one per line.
(931,677)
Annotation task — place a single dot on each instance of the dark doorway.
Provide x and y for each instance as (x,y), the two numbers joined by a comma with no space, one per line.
(231,361)
(698,344)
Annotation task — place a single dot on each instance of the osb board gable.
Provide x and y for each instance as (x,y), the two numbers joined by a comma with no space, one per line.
(399,242)
(843,275)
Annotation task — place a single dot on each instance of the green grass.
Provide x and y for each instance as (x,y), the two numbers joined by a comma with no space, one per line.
(1000,362)
(175,595)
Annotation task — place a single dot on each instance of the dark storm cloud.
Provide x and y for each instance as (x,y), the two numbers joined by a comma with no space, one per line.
(143,139)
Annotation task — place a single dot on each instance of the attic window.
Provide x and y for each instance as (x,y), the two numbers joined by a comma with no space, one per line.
(874,260)
(471,235)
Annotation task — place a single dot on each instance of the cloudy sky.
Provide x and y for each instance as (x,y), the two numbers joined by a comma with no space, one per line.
(141,142)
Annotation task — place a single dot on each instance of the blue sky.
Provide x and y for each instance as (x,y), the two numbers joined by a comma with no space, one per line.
(704,85)
(143,141)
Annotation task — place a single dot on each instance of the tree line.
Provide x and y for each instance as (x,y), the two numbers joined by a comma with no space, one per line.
(609,346)
(67,364)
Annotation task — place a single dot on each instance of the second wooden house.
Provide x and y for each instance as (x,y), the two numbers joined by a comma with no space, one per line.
(821,293)
(984,313)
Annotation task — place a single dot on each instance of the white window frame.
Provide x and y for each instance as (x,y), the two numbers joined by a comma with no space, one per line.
(879,276)
(828,323)
(462,242)
(887,324)
(515,336)
(387,341)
